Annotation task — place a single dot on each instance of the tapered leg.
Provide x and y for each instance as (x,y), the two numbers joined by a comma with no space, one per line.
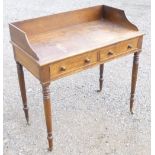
(134,79)
(22,90)
(48,115)
(101,78)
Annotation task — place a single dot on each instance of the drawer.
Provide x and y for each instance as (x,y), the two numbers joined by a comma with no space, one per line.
(117,49)
(72,64)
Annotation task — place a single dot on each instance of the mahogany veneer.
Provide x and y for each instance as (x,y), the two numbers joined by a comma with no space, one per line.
(58,45)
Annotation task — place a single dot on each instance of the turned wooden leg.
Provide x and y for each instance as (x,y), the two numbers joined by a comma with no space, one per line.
(22,89)
(134,79)
(48,115)
(101,78)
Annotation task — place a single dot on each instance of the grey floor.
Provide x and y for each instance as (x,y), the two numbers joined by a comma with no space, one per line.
(84,122)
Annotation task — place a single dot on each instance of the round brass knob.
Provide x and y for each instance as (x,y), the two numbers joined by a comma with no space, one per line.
(62,68)
(87,60)
(129,46)
(110,53)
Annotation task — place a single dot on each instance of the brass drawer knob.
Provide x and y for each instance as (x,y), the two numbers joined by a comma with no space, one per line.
(110,53)
(130,46)
(87,60)
(62,68)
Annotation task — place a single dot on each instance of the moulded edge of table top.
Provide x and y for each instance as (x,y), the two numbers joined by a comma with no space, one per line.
(26,34)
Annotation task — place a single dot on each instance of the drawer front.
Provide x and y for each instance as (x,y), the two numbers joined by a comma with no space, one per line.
(117,49)
(72,64)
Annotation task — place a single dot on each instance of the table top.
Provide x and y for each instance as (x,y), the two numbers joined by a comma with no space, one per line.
(55,37)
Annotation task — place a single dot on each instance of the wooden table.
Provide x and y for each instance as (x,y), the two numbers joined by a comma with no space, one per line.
(58,45)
